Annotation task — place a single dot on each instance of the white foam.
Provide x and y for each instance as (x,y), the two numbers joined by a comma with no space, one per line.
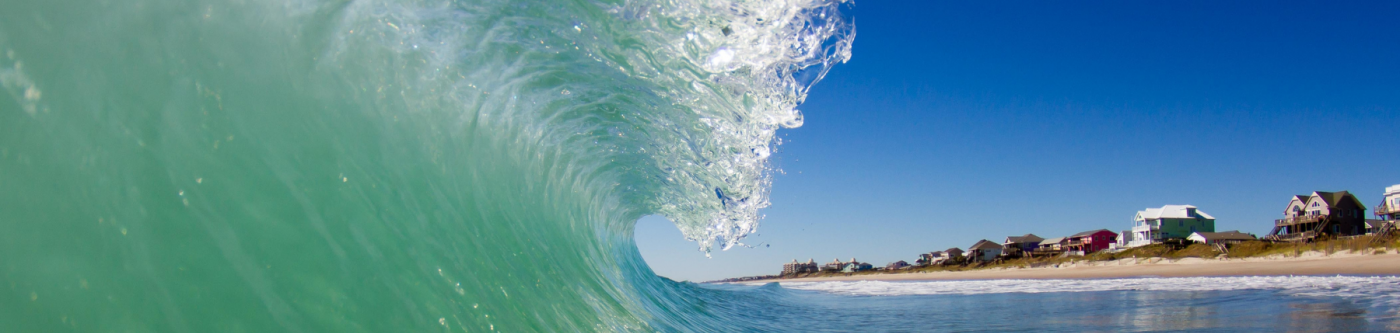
(1381,290)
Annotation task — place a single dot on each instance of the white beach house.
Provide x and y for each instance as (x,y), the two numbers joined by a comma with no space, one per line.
(1390,207)
(1171,221)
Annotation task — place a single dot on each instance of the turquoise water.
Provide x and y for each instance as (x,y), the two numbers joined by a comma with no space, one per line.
(385,165)
(464,166)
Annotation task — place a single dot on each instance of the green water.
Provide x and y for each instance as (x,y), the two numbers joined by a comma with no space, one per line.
(384,166)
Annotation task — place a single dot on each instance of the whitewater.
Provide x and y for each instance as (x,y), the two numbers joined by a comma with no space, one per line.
(455,166)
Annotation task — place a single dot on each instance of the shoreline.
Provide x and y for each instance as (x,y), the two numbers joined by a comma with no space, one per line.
(1308,263)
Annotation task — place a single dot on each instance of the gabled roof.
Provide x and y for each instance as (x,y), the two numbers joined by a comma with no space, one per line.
(1090,232)
(1027,238)
(1374,223)
(985,245)
(1055,240)
(1301,198)
(1173,212)
(1332,199)
(953,249)
(1227,235)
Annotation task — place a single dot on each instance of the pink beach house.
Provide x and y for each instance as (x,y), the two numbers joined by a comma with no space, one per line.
(1092,241)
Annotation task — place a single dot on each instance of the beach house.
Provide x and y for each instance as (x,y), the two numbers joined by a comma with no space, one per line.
(1389,208)
(897,265)
(984,250)
(1091,241)
(932,258)
(925,259)
(1321,213)
(1124,238)
(1377,226)
(1225,237)
(1153,225)
(856,266)
(1051,246)
(1019,246)
(952,253)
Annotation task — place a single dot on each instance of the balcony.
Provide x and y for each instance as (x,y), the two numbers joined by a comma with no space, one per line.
(1384,209)
(1299,220)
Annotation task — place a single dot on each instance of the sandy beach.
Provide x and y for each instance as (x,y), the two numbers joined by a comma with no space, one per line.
(1310,263)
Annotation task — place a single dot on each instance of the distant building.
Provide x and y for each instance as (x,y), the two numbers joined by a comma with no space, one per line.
(896,265)
(1052,245)
(1375,226)
(856,266)
(796,267)
(834,265)
(1153,225)
(1389,208)
(952,253)
(1018,246)
(984,250)
(931,258)
(1091,241)
(1227,237)
(1321,213)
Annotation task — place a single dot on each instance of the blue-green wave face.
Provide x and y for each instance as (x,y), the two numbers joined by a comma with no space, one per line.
(385,165)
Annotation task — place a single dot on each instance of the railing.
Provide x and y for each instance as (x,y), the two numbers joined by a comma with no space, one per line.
(1299,219)
(1383,235)
(1295,237)
(1384,209)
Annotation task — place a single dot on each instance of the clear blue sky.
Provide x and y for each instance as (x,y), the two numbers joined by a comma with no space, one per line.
(955,122)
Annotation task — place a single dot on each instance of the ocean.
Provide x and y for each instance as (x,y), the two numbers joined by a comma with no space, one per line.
(459,166)
(1216,304)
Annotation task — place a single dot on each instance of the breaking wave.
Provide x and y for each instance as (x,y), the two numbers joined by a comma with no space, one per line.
(386,165)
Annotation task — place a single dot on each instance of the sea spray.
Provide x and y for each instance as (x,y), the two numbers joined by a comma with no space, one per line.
(387,165)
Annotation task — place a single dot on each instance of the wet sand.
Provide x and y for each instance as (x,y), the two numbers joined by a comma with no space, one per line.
(1312,263)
